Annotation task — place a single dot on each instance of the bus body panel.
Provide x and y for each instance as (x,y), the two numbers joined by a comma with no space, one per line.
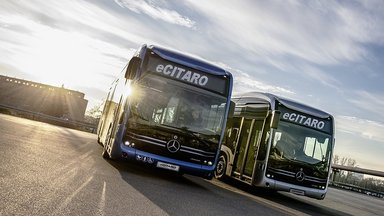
(153,159)
(183,59)
(251,153)
(295,189)
(119,128)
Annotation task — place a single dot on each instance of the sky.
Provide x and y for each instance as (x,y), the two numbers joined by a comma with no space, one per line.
(328,54)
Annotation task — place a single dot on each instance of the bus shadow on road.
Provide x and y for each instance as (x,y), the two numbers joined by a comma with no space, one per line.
(174,193)
(286,199)
(170,190)
(132,170)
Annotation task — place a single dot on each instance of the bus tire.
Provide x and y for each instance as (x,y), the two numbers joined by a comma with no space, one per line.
(220,167)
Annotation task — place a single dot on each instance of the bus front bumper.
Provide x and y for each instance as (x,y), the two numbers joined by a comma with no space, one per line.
(167,163)
(296,189)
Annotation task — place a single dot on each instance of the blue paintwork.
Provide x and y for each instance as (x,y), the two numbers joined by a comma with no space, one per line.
(197,64)
(187,60)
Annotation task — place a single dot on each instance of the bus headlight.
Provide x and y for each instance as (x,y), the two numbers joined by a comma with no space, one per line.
(129,144)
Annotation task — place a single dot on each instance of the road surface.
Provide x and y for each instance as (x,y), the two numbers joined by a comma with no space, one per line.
(51,170)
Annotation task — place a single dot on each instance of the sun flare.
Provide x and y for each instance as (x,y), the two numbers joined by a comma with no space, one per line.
(59,58)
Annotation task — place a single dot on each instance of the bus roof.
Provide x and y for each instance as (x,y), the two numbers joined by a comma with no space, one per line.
(188,60)
(272,100)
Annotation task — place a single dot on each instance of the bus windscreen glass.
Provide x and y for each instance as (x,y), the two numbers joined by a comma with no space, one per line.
(296,144)
(171,105)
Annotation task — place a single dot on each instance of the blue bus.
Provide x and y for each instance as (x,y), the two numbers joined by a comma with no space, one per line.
(168,110)
(278,143)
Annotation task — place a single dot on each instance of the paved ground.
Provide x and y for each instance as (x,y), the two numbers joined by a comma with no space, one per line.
(50,170)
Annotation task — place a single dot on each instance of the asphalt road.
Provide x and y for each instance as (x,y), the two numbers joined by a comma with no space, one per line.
(50,170)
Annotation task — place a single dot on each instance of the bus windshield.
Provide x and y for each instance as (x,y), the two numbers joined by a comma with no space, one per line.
(159,101)
(301,144)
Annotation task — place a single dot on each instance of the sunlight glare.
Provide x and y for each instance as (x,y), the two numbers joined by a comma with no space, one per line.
(59,58)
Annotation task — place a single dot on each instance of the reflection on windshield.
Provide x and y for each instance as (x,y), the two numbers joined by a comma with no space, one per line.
(294,142)
(159,101)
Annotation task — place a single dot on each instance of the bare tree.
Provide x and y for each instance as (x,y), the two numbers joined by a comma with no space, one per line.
(351,162)
(343,161)
(95,111)
(344,176)
(373,186)
(336,159)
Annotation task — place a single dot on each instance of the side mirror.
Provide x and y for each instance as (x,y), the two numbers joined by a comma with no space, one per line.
(132,68)
(275,119)
(231,109)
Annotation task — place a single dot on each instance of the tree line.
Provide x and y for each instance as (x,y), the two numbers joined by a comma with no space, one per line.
(356,181)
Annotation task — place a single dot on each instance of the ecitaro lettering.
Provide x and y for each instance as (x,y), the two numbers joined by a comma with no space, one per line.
(182,74)
(304,120)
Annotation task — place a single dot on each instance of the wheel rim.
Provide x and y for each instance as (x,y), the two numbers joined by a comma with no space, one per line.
(220,168)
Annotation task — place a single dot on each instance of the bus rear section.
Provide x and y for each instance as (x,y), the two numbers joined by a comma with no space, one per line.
(278,143)
(174,116)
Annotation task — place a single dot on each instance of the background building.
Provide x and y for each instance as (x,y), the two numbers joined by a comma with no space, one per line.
(44,99)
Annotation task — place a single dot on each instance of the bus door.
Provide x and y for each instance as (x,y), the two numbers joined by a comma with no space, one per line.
(247,148)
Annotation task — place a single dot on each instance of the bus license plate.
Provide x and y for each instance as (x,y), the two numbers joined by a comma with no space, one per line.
(297,192)
(167,166)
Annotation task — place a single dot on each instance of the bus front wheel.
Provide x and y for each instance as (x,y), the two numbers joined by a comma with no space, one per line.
(221,167)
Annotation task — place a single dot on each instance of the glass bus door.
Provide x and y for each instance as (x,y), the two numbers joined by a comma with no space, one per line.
(247,148)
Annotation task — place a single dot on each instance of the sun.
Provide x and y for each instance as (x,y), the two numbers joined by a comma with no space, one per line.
(57,57)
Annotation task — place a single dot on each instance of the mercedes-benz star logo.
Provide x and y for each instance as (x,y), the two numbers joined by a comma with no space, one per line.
(173,146)
(300,176)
